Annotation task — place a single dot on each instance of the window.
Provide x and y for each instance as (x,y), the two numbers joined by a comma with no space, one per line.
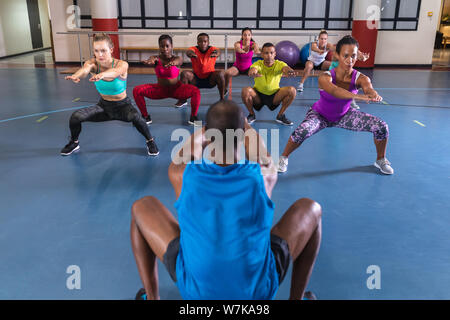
(231,14)
(256,14)
(399,14)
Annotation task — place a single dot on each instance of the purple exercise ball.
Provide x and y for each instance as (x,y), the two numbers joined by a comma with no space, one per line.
(288,52)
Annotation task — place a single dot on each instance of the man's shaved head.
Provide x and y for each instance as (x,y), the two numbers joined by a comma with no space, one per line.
(223,115)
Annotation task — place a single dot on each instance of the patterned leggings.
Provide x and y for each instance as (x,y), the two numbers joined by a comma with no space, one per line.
(106,111)
(155,91)
(353,120)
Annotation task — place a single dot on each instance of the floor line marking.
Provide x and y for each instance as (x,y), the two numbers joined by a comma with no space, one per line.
(419,123)
(42,119)
(42,113)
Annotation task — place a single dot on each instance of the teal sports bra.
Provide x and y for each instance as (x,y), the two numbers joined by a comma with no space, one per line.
(111,88)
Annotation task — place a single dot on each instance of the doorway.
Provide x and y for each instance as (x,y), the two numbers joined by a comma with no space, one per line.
(35,24)
(441,54)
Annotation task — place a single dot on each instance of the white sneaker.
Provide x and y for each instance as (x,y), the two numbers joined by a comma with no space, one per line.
(300,87)
(354,105)
(384,165)
(282,164)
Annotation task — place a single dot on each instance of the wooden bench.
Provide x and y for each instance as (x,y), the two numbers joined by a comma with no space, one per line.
(181,50)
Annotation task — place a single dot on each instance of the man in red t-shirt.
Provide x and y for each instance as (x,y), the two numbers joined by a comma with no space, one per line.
(204,75)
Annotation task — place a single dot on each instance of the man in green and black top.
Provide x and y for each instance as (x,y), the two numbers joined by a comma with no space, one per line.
(266,91)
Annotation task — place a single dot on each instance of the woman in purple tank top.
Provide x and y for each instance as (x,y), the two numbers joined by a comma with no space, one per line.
(337,89)
(244,49)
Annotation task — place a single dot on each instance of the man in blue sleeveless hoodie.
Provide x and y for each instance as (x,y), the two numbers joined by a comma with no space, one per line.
(222,246)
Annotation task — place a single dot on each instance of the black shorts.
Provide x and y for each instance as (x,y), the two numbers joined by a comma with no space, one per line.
(279,246)
(319,67)
(203,83)
(265,101)
(243,72)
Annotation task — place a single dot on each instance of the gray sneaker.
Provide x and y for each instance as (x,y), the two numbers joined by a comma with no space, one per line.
(300,87)
(384,165)
(354,105)
(282,164)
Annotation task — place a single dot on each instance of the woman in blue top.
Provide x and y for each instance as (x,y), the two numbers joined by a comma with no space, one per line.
(110,79)
(223,245)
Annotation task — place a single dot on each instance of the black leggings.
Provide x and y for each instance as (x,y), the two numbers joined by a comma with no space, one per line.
(106,111)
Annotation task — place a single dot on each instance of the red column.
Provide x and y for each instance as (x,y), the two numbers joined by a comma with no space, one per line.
(366,19)
(104,18)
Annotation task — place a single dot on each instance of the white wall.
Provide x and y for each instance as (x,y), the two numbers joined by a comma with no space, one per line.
(15,35)
(410,47)
(2,41)
(393,47)
(66,47)
(15,26)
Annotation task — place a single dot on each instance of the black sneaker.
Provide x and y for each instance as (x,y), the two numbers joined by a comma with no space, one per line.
(141,295)
(148,119)
(72,146)
(251,118)
(282,119)
(152,149)
(193,119)
(180,103)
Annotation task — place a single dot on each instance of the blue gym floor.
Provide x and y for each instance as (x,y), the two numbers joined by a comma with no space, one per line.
(59,211)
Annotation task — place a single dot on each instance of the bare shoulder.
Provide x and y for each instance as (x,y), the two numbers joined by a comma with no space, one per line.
(121,63)
(325,80)
(363,80)
(325,76)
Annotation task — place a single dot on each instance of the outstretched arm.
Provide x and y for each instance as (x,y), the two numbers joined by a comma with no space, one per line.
(82,72)
(366,85)
(174,61)
(326,83)
(120,69)
(215,53)
(315,48)
(256,49)
(288,72)
(363,56)
(254,73)
(151,60)
(191,54)
(191,150)
(331,47)
(256,151)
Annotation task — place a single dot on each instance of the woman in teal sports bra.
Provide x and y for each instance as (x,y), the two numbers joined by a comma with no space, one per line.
(110,79)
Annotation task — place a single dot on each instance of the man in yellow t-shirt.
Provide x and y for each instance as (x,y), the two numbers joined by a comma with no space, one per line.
(266,91)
